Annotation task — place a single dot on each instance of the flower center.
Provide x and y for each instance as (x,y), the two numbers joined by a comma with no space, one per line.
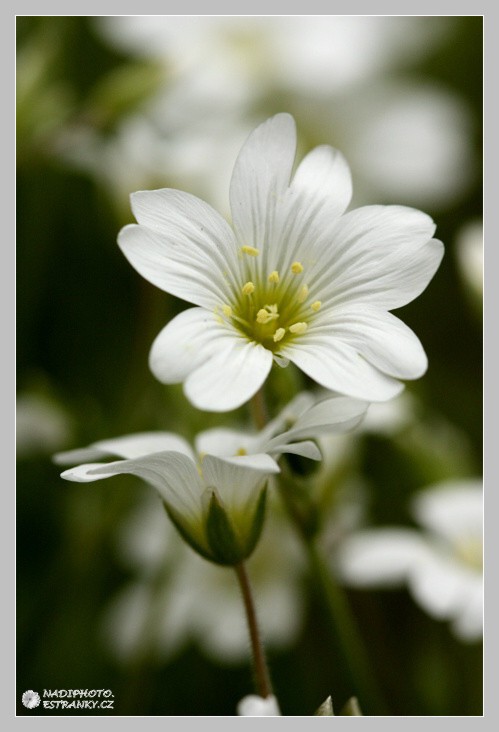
(470,551)
(271,308)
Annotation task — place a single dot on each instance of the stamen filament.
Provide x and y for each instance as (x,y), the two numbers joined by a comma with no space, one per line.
(303,294)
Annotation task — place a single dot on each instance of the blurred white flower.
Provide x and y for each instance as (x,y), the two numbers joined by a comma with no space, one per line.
(256,706)
(326,54)
(406,141)
(442,565)
(42,425)
(176,598)
(295,280)
(469,252)
(403,139)
(389,418)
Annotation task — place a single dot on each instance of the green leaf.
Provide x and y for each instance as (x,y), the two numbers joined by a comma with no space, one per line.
(186,535)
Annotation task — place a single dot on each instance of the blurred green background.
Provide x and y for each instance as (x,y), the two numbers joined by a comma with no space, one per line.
(111,105)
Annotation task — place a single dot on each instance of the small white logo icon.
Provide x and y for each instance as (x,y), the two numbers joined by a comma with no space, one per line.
(31,699)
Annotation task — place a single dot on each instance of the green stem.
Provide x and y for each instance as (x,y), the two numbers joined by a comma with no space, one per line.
(342,624)
(262,676)
(346,632)
(259,410)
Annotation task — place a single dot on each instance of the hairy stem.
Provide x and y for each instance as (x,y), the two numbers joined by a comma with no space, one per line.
(262,676)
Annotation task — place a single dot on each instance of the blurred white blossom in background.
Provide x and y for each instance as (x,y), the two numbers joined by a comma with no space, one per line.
(441,565)
(42,424)
(175,597)
(470,258)
(348,78)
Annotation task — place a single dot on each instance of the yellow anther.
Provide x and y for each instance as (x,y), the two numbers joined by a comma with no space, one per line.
(252,251)
(316,305)
(298,328)
(241,452)
(279,335)
(274,277)
(297,267)
(263,316)
(248,288)
(303,294)
(269,312)
(227,311)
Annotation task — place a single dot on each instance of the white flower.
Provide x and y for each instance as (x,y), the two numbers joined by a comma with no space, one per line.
(306,417)
(442,566)
(203,499)
(256,706)
(296,279)
(42,425)
(195,602)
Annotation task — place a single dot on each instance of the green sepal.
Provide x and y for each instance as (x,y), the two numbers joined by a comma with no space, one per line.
(257,523)
(221,536)
(186,536)
(352,708)
(325,709)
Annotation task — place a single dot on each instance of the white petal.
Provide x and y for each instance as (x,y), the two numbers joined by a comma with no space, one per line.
(440,585)
(126,446)
(323,179)
(84,473)
(184,344)
(230,377)
(468,625)
(256,706)
(338,367)
(381,338)
(224,442)
(79,455)
(238,480)
(338,414)
(174,475)
(306,449)
(380,557)
(378,254)
(181,245)
(261,174)
(144,443)
(319,193)
(451,509)
(288,415)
